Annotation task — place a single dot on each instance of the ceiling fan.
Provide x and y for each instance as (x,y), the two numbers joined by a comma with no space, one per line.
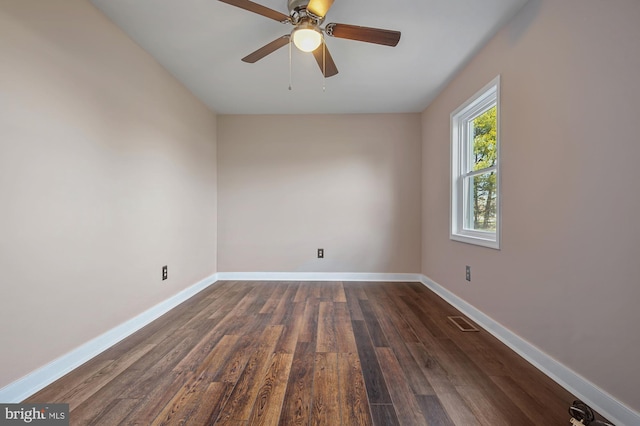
(307,16)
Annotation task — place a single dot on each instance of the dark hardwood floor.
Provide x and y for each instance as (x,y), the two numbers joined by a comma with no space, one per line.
(309,353)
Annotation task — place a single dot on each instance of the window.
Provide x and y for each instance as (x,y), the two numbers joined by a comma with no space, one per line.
(475,173)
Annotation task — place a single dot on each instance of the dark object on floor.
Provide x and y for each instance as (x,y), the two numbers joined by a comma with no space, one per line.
(582,414)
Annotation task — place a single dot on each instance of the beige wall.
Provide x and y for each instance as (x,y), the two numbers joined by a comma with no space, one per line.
(567,276)
(288,185)
(107,172)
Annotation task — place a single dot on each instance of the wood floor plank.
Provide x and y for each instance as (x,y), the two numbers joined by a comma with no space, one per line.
(353,303)
(301,353)
(230,371)
(268,405)
(384,415)
(229,374)
(395,316)
(412,371)
(476,347)
(150,404)
(373,290)
(210,404)
(215,305)
(167,324)
(527,404)
(359,290)
(440,350)
(375,331)
(217,358)
(345,340)
(296,408)
(55,391)
(404,400)
(302,294)
(324,290)
(230,324)
(373,379)
(180,408)
(144,374)
(156,364)
(338,293)
(274,299)
(451,400)
(113,414)
(325,406)
(486,399)
(433,411)
(292,326)
(86,389)
(326,341)
(354,405)
(487,412)
(426,320)
(245,392)
(186,401)
(414,322)
(539,387)
(318,292)
(283,311)
(309,330)
(251,303)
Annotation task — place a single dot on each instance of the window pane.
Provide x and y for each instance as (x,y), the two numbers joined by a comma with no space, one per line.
(480,208)
(484,140)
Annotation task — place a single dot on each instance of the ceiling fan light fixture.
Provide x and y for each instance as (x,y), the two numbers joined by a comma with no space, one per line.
(306,37)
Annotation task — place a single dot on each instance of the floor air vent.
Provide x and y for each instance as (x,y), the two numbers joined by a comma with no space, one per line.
(463,324)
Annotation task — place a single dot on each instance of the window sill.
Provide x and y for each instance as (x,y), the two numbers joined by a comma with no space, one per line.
(476,240)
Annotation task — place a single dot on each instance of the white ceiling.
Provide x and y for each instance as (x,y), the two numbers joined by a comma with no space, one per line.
(201,43)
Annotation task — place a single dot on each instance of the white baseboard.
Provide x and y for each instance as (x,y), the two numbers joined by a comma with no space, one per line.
(31,383)
(596,398)
(317,276)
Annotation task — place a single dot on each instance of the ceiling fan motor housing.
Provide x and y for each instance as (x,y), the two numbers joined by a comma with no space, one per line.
(296,5)
(299,13)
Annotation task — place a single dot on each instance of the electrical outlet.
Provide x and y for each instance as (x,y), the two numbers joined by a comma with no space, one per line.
(468,272)
(320,253)
(165,273)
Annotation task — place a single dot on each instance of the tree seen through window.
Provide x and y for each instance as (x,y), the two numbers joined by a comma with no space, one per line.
(484,156)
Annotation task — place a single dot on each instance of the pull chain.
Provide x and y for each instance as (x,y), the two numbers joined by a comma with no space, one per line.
(290,63)
(324,64)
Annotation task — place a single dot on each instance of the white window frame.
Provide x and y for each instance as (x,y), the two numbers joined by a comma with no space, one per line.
(483,100)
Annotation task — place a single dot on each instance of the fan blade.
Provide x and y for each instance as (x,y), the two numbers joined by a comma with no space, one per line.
(267,49)
(369,35)
(319,7)
(325,61)
(259,9)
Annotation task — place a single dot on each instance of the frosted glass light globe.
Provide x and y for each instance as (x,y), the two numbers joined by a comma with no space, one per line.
(306,39)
